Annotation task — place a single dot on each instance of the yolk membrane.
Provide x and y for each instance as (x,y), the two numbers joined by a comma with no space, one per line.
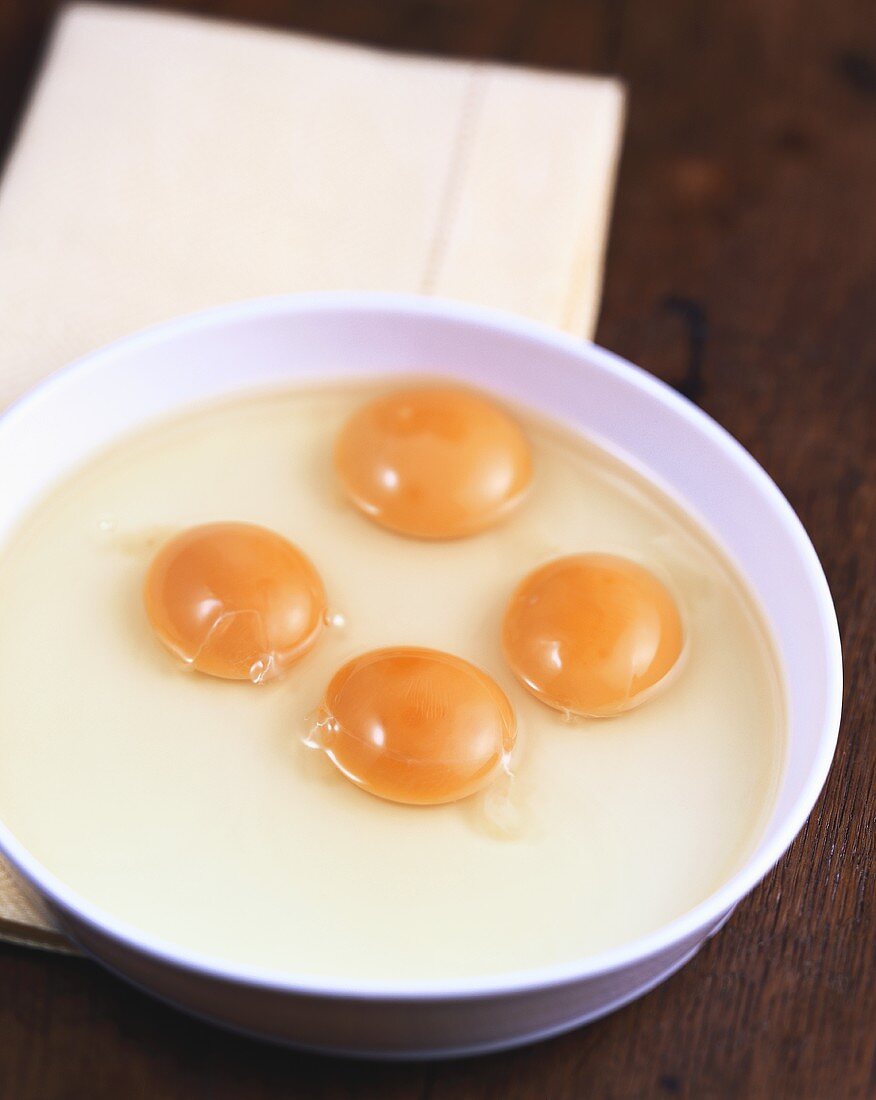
(438,462)
(234,600)
(592,634)
(415,725)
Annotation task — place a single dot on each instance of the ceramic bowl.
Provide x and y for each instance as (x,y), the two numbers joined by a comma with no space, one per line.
(107,394)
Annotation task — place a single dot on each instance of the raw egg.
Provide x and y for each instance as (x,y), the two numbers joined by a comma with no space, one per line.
(436,462)
(234,600)
(592,634)
(415,725)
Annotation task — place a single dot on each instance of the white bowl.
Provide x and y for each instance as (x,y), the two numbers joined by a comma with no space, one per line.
(265,343)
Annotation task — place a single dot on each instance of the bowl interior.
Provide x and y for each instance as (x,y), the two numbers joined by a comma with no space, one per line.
(84,408)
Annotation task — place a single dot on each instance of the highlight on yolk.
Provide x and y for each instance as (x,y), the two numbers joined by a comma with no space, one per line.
(437,462)
(415,725)
(592,634)
(234,600)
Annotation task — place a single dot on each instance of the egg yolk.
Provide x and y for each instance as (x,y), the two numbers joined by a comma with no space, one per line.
(592,634)
(234,600)
(435,463)
(416,725)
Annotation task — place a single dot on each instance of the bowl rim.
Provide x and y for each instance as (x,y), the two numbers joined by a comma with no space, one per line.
(689,924)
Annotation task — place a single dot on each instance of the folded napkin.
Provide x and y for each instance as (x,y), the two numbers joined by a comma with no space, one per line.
(168,163)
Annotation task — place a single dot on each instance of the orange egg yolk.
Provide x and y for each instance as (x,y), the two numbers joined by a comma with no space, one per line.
(234,600)
(437,462)
(416,725)
(592,634)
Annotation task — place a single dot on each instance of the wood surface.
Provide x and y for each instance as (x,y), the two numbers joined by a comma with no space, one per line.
(742,268)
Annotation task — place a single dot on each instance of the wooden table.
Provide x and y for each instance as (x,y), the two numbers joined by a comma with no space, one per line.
(742,268)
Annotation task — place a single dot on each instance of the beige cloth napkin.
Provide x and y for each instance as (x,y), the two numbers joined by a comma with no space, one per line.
(167,164)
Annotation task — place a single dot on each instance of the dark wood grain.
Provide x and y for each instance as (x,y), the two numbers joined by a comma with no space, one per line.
(742,269)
